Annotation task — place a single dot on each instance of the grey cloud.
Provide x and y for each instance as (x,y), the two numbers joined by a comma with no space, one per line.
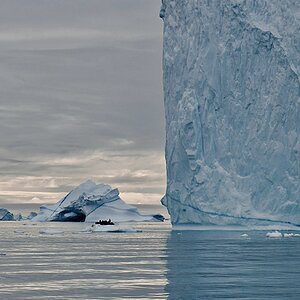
(80,77)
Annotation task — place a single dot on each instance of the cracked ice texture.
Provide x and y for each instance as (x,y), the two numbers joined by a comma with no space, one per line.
(231,84)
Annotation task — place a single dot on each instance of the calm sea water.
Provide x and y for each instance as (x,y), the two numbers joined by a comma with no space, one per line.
(157,263)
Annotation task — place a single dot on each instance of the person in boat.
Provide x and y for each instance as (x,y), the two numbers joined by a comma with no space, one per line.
(105,222)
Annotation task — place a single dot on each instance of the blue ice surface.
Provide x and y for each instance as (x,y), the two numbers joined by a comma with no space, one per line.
(232,102)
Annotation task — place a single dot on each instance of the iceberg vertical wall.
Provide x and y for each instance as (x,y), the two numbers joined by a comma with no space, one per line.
(231,85)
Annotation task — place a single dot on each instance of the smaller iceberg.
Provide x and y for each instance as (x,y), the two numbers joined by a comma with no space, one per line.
(31,215)
(245,235)
(90,202)
(6,215)
(288,235)
(274,234)
(19,217)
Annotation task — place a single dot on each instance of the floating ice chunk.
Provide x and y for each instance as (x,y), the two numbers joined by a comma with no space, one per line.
(111,228)
(274,234)
(104,228)
(245,235)
(50,231)
(19,231)
(287,235)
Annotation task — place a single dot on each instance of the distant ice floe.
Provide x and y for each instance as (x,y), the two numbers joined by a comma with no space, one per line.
(6,215)
(111,228)
(20,217)
(245,235)
(278,234)
(287,235)
(274,234)
(51,231)
(19,231)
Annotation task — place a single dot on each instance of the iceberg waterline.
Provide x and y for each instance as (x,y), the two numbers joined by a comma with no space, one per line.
(231,86)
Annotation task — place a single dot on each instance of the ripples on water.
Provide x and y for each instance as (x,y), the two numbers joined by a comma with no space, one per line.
(154,264)
(77,265)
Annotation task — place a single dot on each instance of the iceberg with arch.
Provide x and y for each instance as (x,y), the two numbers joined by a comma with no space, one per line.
(90,202)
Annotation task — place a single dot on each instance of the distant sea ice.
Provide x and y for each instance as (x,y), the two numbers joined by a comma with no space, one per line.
(274,234)
(50,231)
(245,235)
(287,235)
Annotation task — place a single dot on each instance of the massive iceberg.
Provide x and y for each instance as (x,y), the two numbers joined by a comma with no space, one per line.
(231,86)
(90,202)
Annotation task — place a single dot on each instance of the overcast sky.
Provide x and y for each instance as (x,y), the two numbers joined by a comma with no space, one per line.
(80,97)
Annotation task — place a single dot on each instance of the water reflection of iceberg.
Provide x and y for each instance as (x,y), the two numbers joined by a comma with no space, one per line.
(224,265)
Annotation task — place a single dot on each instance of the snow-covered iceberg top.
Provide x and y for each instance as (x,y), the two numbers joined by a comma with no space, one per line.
(6,215)
(90,202)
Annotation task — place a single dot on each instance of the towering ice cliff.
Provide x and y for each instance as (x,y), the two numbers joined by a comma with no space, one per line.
(231,84)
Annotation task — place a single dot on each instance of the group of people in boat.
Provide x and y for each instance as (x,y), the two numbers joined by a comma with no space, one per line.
(105,222)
